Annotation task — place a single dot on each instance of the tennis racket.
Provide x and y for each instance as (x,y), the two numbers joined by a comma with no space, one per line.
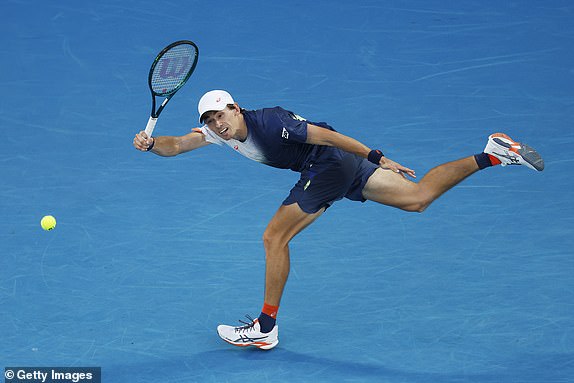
(170,70)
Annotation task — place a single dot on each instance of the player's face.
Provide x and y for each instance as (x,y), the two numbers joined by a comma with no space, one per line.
(226,123)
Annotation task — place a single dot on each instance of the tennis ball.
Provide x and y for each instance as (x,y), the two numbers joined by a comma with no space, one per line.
(48,222)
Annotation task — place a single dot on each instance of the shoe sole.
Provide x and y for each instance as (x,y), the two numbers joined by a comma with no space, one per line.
(259,345)
(528,153)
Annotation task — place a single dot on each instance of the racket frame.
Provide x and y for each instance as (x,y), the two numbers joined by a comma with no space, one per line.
(168,95)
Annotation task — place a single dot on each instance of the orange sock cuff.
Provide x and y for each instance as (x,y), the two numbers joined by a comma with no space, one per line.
(270,310)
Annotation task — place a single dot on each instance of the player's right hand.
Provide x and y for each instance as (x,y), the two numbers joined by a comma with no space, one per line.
(142,141)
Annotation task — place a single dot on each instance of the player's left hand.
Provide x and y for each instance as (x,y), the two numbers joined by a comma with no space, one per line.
(387,163)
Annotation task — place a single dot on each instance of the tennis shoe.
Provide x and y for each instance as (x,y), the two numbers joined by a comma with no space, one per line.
(510,152)
(249,334)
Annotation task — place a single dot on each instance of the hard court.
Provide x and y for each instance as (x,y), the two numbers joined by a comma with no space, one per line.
(150,254)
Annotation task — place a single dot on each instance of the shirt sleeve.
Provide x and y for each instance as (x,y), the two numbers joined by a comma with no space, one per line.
(209,135)
(294,127)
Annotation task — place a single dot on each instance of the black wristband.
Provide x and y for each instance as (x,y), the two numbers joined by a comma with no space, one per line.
(375,156)
(152,144)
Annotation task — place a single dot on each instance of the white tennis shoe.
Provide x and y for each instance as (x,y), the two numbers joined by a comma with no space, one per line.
(510,152)
(249,335)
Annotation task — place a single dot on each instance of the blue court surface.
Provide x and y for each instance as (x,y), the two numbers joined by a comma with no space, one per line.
(150,254)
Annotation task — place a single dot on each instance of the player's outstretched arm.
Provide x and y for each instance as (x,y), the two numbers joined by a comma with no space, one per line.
(169,146)
(320,136)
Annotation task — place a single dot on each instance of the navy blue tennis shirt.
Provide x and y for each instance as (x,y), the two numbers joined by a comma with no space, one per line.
(275,137)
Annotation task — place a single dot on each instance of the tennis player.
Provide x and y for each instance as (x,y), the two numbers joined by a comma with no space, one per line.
(332,166)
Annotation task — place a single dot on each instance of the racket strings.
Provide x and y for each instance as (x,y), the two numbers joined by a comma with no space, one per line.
(172,69)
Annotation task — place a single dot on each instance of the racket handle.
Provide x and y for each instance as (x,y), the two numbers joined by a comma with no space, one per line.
(150,126)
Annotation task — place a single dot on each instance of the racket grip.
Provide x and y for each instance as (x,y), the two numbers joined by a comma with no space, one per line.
(150,126)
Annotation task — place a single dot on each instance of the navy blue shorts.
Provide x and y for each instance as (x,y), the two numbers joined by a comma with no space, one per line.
(328,179)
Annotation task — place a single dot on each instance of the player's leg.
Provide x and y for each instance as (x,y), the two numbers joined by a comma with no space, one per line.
(393,189)
(288,221)
(263,333)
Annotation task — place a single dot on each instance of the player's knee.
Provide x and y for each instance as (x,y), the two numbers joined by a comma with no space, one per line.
(419,206)
(413,208)
(423,201)
(272,238)
(267,238)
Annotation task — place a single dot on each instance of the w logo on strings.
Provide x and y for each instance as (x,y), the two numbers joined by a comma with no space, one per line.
(172,67)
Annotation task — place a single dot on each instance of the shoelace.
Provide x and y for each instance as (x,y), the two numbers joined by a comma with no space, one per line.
(247,325)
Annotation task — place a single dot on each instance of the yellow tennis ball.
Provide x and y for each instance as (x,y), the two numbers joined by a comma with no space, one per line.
(48,222)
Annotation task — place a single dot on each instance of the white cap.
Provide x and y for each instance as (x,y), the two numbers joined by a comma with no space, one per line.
(214,100)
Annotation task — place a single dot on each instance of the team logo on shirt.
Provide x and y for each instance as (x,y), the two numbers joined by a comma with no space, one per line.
(285,134)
